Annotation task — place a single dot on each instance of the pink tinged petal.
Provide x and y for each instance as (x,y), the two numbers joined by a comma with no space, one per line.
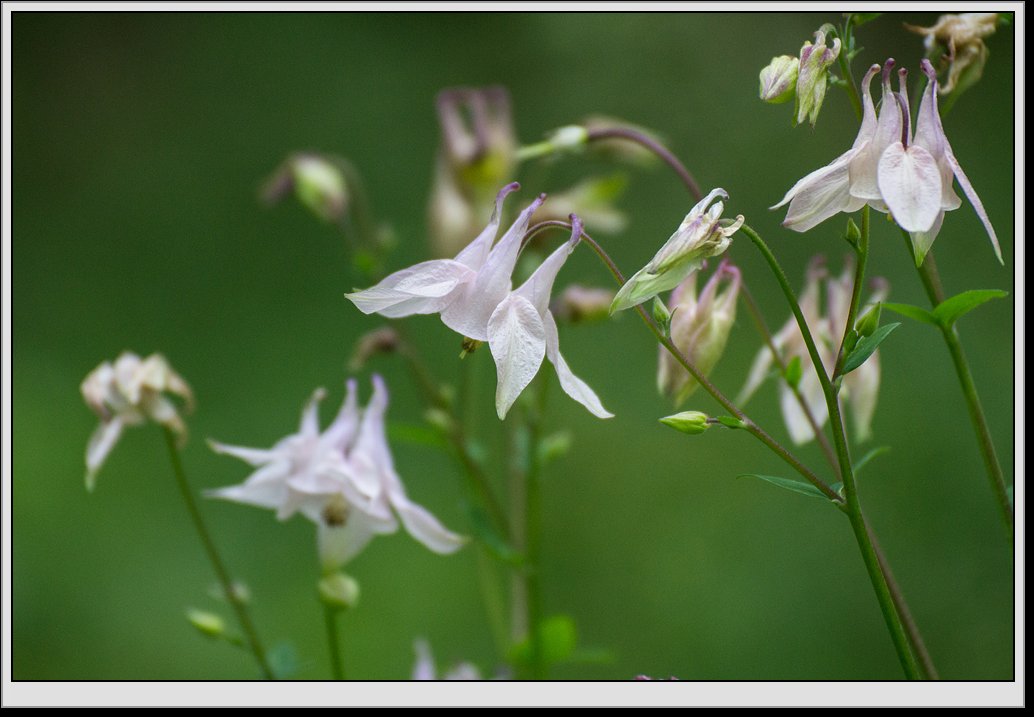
(252,456)
(469,313)
(756,376)
(796,420)
(475,254)
(517,340)
(371,459)
(339,544)
(266,488)
(423,668)
(978,206)
(309,427)
(911,186)
(922,241)
(821,195)
(103,439)
(572,385)
(425,288)
(863,385)
(539,285)
(868,126)
(342,431)
(425,527)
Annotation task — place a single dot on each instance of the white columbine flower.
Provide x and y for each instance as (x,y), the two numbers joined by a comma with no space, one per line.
(343,480)
(699,237)
(464,290)
(129,393)
(522,330)
(424,667)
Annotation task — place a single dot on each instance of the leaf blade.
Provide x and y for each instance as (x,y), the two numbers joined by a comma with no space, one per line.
(867,346)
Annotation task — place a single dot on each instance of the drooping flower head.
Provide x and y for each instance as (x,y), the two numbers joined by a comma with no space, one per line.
(699,237)
(815,61)
(962,37)
(700,327)
(316,180)
(342,479)
(778,80)
(129,393)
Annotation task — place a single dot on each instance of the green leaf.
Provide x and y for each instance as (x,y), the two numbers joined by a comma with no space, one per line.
(950,310)
(558,638)
(866,346)
(283,661)
(415,434)
(794,371)
(789,484)
(915,313)
(487,535)
(864,460)
(731,422)
(860,18)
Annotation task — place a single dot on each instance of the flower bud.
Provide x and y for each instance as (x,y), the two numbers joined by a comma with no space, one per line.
(779,80)
(339,591)
(700,328)
(207,623)
(691,422)
(317,181)
(870,322)
(814,64)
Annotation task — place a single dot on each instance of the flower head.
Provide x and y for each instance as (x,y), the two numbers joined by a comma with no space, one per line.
(815,61)
(700,327)
(778,80)
(699,237)
(342,479)
(962,36)
(129,393)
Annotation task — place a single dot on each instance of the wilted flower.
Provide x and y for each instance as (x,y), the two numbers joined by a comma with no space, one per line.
(963,37)
(424,667)
(699,237)
(521,331)
(343,480)
(316,180)
(477,155)
(700,327)
(129,393)
(814,64)
(778,80)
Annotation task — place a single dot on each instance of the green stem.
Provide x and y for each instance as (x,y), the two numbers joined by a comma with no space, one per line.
(856,291)
(935,293)
(337,669)
(533,532)
(888,601)
(845,68)
(213,557)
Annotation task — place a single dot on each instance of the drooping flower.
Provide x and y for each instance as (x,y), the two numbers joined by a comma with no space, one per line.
(916,181)
(700,327)
(962,36)
(342,479)
(464,290)
(813,68)
(778,80)
(522,331)
(425,669)
(317,181)
(699,237)
(129,393)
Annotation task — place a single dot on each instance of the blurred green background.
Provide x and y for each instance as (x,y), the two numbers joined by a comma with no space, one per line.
(140,141)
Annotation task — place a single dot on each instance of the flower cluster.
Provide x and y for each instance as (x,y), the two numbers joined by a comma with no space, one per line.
(342,479)
(890,169)
(128,393)
(473,293)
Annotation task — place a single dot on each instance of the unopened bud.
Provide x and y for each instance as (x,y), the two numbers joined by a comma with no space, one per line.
(868,324)
(571,138)
(384,340)
(316,181)
(852,234)
(813,68)
(779,80)
(691,422)
(661,315)
(339,591)
(207,623)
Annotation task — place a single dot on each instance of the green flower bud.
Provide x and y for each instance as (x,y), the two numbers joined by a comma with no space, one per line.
(778,81)
(691,422)
(814,64)
(207,623)
(339,591)
(870,322)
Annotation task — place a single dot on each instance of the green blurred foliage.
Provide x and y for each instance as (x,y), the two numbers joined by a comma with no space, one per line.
(140,142)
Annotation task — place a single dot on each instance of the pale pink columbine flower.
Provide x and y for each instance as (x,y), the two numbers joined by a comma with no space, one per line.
(700,327)
(464,290)
(342,479)
(129,393)
(425,669)
(522,331)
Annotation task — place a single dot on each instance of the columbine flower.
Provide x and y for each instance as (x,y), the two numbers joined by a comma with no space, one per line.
(343,480)
(127,394)
(916,179)
(699,237)
(814,64)
(778,80)
(521,331)
(963,37)
(464,290)
(424,667)
(700,327)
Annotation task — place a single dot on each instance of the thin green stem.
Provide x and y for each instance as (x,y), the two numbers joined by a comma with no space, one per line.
(213,556)
(533,531)
(337,669)
(935,293)
(631,135)
(856,291)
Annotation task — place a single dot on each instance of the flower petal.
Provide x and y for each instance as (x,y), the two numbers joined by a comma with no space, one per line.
(253,456)
(820,195)
(310,423)
(103,439)
(910,183)
(539,285)
(862,386)
(518,343)
(339,544)
(342,431)
(266,488)
(425,288)
(475,253)
(425,527)
(922,241)
(572,385)
(796,420)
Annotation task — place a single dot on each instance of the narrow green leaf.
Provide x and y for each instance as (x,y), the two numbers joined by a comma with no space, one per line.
(866,346)
(915,313)
(789,484)
(950,310)
(487,535)
(731,422)
(864,460)
(794,371)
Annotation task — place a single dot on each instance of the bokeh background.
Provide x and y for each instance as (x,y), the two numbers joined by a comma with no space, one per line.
(140,141)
